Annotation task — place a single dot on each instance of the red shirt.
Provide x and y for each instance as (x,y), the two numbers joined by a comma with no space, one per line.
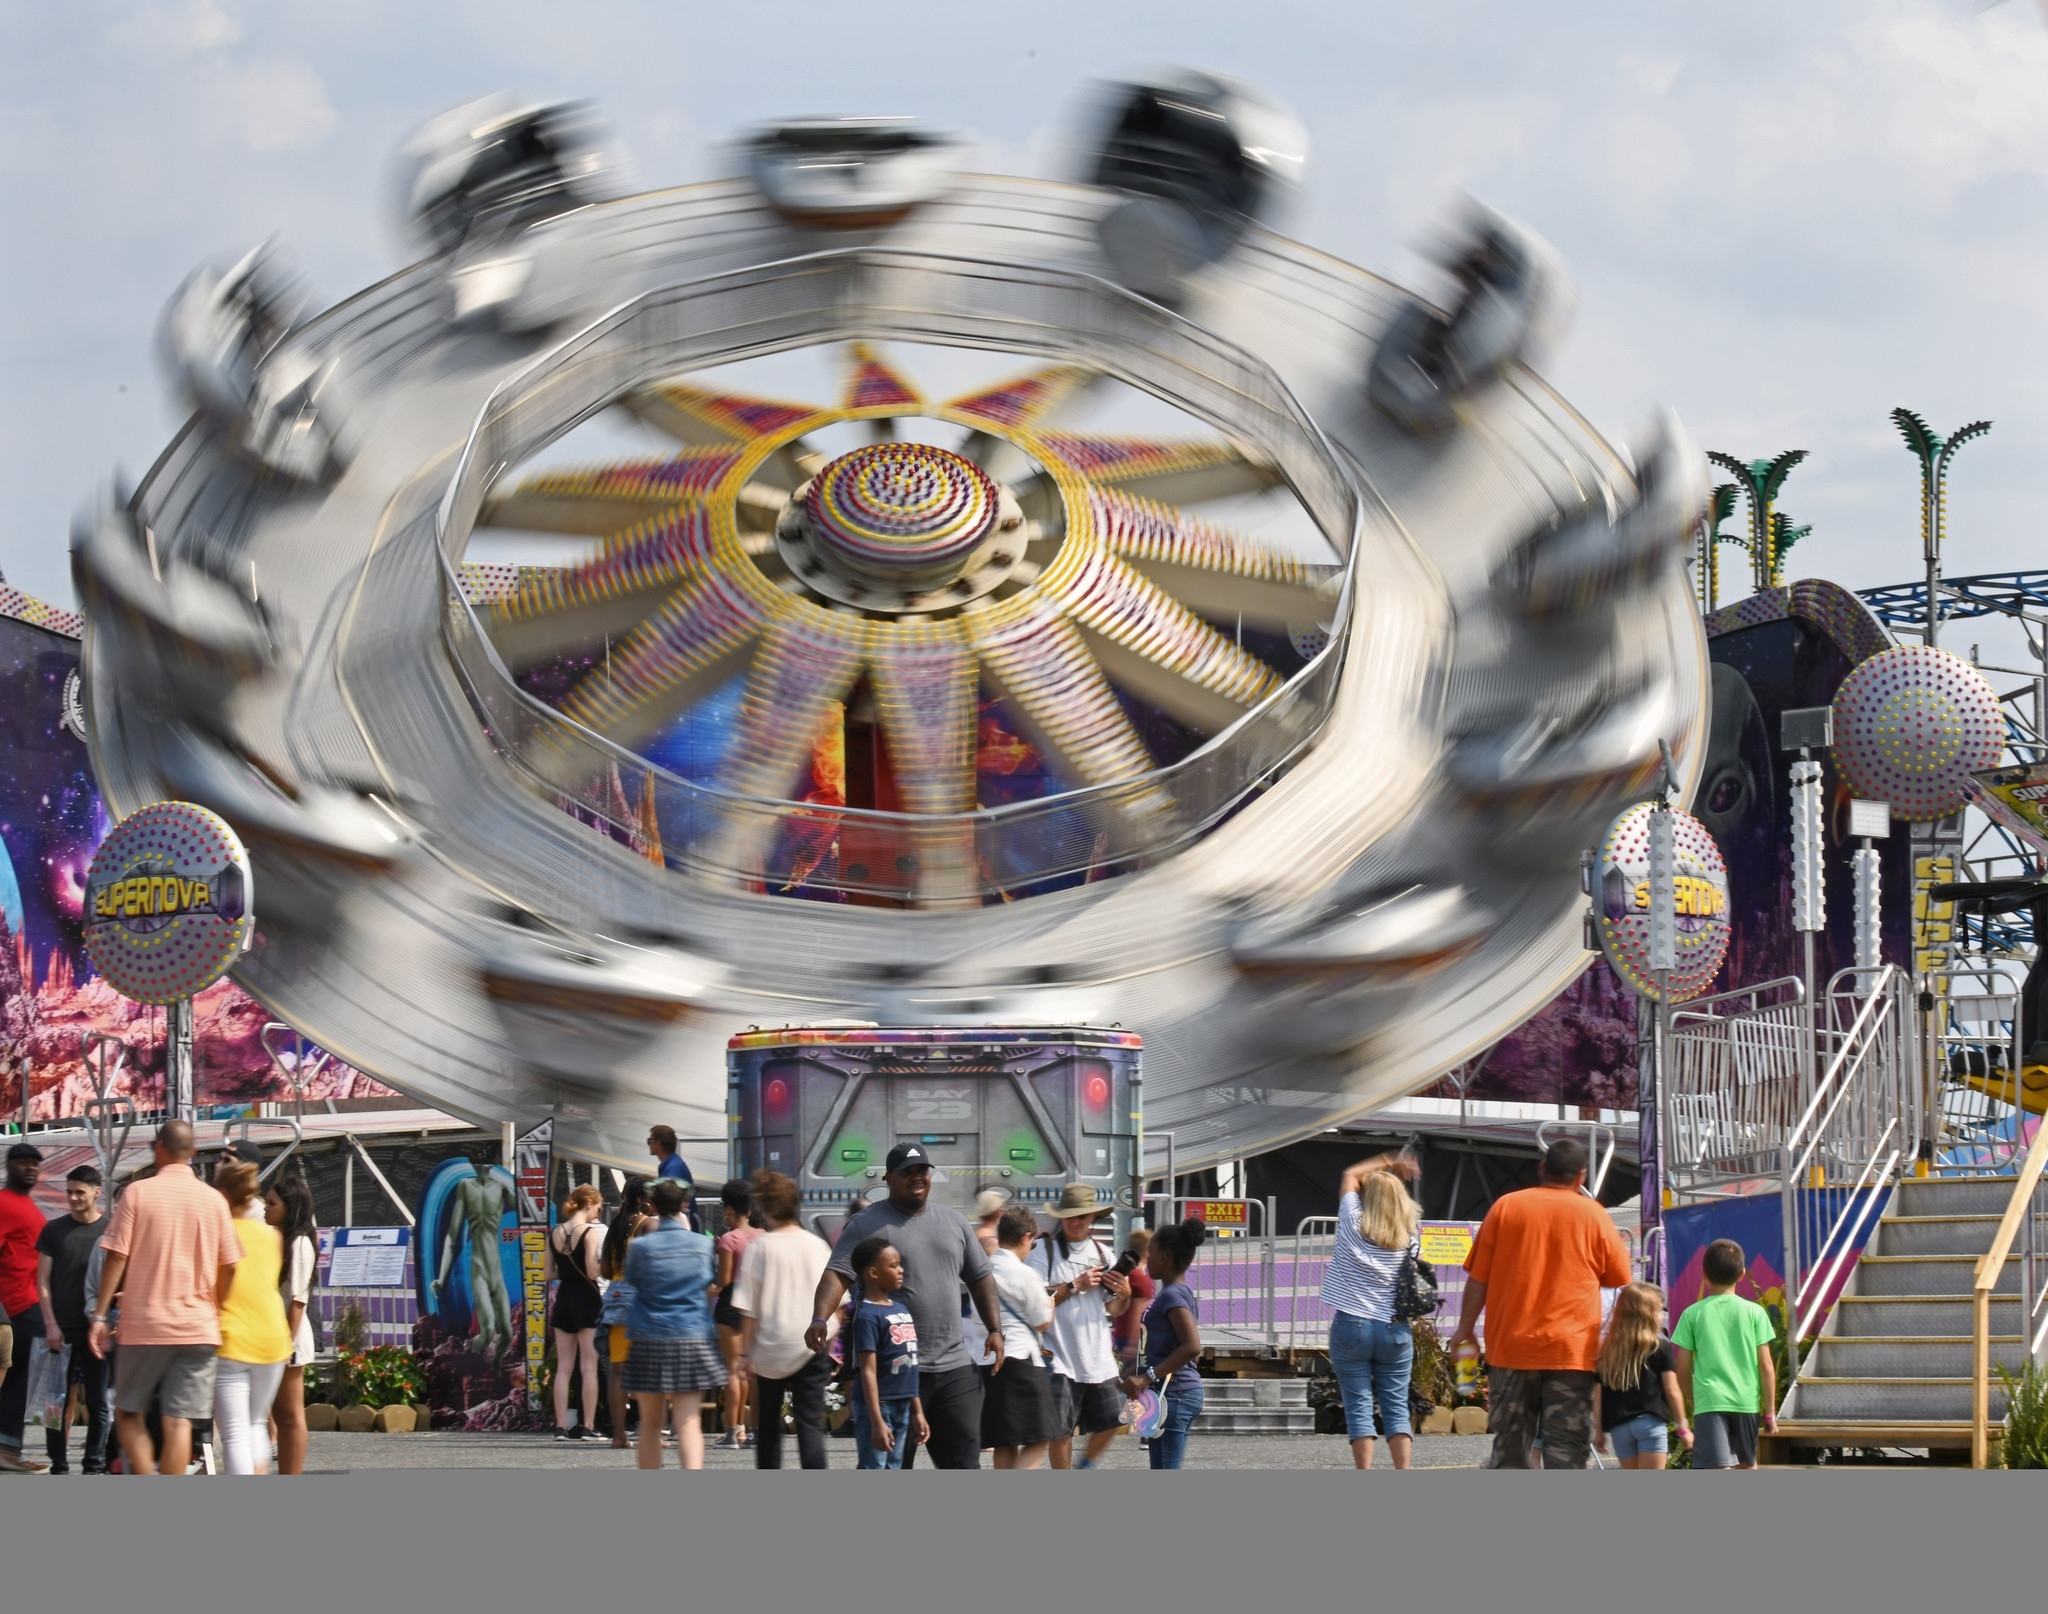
(21,1224)
(1125,1328)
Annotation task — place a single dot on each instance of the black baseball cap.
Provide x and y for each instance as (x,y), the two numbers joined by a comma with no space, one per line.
(906,1155)
(28,1151)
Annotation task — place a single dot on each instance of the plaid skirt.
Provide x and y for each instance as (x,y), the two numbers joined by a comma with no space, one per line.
(672,1366)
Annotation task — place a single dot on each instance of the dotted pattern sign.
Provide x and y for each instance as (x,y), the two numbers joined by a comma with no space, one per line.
(167,903)
(1621,903)
(1912,725)
(902,504)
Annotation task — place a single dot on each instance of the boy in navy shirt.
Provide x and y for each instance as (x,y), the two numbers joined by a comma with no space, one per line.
(887,1416)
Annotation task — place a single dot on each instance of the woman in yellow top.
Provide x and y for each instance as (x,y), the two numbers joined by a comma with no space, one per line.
(255,1343)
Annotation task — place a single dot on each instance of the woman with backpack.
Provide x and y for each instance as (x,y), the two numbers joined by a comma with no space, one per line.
(1372,1349)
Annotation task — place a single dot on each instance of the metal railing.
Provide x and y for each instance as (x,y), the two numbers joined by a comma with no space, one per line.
(1980,1124)
(1737,1075)
(879,294)
(1234,1277)
(1299,1278)
(2025,1214)
(1843,1154)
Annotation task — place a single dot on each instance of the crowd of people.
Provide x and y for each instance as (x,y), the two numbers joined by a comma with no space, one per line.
(941,1334)
(186,1303)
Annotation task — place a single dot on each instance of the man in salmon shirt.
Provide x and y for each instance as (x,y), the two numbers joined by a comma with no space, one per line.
(171,1250)
(1538,1265)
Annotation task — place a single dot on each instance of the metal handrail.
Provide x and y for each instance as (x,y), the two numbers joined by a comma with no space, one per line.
(1854,1041)
(1692,1006)
(1796,1295)
(1857,1049)
(2020,1207)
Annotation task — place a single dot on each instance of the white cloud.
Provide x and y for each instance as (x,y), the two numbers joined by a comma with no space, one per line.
(276,106)
(177,30)
(1650,72)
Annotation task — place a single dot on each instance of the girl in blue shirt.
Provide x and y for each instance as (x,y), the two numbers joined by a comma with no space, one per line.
(1172,1340)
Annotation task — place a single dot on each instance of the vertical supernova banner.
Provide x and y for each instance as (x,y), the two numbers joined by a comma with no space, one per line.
(533,1172)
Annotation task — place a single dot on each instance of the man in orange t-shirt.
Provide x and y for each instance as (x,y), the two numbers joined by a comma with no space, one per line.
(1538,1265)
(171,1250)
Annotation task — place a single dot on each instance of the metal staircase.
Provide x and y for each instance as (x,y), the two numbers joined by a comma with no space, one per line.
(1891,1366)
(1255,1407)
(1823,1105)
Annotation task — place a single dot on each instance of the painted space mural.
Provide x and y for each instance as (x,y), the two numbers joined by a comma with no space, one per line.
(51,822)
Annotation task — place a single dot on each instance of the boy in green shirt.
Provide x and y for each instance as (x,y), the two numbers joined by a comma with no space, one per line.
(1724,1364)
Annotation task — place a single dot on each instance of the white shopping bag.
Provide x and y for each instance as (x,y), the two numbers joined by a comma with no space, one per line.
(48,1384)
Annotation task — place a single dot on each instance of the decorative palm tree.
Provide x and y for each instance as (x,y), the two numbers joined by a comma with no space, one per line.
(1934,453)
(1760,480)
(1783,536)
(1720,506)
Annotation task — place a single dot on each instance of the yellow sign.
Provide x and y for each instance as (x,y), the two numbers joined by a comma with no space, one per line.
(1221,1212)
(149,895)
(533,1249)
(1446,1244)
(1700,899)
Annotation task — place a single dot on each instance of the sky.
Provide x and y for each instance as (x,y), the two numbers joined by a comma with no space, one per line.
(1784,220)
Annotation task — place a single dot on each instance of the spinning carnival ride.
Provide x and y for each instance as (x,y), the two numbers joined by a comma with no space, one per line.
(1271,728)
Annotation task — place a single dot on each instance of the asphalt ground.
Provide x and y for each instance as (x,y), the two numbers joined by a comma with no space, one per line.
(336,1453)
(339,1453)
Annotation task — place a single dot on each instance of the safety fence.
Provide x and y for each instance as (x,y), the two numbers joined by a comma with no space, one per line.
(1760,1086)
(1262,1290)
(386,1309)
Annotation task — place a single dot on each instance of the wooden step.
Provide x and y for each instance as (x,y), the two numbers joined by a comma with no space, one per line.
(1940,1435)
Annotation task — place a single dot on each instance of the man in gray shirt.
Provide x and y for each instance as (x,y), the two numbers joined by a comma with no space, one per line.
(940,1255)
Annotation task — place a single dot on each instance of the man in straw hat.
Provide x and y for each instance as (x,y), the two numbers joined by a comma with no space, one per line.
(1087,1291)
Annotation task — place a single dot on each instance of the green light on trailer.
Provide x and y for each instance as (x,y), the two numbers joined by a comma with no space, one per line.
(1023,1154)
(856,1157)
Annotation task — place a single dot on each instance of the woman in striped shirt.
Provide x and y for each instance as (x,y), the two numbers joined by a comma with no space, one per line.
(1371,1352)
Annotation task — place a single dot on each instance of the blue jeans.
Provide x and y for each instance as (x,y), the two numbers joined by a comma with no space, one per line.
(896,1414)
(1183,1407)
(1372,1358)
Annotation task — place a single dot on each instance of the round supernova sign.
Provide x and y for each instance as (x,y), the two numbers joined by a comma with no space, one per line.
(167,903)
(1621,902)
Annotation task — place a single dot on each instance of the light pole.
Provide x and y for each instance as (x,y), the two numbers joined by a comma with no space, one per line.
(1934,453)
(1760,480)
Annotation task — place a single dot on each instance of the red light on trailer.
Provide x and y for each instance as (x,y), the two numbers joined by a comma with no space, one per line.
(1095,1092)
(776,1095)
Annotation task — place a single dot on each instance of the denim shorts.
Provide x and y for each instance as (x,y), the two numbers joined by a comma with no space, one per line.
(1373,1360)
(1642,1433)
